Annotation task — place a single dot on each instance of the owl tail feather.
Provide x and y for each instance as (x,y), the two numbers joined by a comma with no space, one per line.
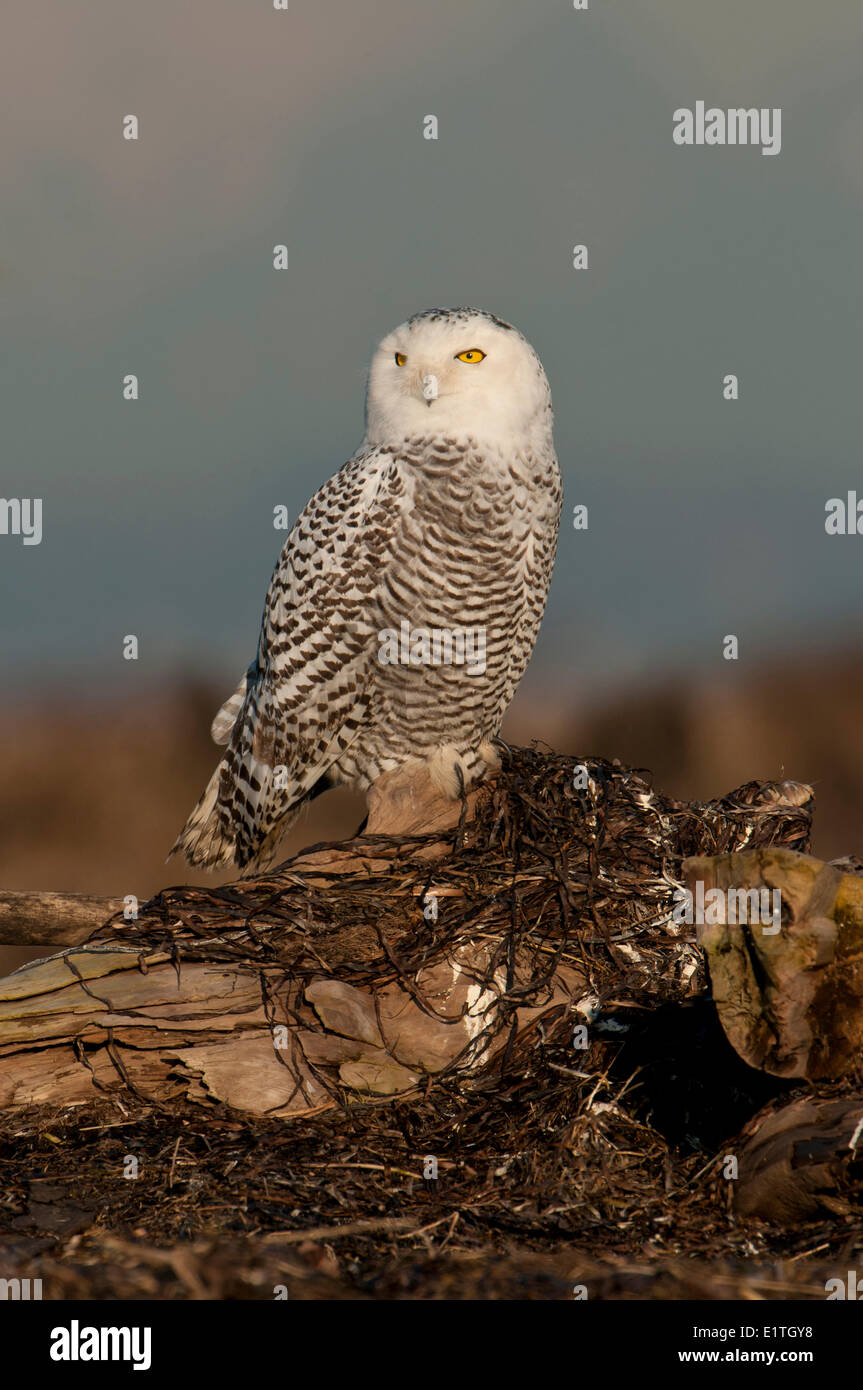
(203,840)
(208,841)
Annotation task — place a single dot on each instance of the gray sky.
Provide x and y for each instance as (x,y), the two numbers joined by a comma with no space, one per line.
(258,127)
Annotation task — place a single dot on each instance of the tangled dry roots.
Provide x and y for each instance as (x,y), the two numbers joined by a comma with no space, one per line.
(566,862)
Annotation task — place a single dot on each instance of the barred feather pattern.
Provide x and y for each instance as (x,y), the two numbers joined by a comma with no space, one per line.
(431,534)
(438,530)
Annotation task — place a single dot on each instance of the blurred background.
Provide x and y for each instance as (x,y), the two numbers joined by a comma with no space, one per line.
(304,127)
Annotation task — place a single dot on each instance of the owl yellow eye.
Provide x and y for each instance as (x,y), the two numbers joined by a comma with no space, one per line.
(472,355)
(400,359)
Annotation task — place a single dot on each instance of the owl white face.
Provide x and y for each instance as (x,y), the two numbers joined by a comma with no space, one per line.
(457,372)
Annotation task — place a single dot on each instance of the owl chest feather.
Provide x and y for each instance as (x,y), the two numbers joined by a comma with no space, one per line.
(472,562)
(478,512)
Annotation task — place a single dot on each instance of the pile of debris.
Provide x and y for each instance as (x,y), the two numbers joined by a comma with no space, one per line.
(484,1061)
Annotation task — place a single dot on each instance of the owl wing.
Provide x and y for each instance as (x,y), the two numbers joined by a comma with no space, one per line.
(303,700)
(537,532)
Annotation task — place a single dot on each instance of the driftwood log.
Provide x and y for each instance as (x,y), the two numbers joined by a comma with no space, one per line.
(52,919)
(368,968)
(493,976)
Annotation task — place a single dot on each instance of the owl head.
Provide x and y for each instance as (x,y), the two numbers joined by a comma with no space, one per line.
(457,372)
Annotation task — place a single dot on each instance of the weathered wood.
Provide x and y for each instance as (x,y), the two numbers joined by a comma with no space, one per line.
(284,994)
(204,1031)
(790,993)
(52,919)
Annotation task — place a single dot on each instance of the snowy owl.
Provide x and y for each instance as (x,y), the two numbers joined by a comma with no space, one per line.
(406,602)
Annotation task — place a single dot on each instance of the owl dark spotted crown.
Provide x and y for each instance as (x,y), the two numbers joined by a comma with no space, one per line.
(460,315)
